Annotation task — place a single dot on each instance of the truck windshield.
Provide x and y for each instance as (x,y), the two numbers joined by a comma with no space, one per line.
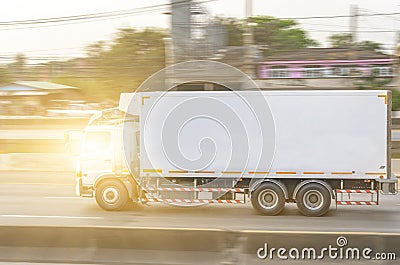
(96,142)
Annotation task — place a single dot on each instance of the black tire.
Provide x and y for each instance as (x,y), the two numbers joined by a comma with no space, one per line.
(268,199)
(313,200)
(111,195)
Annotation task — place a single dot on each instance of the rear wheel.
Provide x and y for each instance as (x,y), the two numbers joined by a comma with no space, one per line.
(268,199)
(111,195)
(313,199)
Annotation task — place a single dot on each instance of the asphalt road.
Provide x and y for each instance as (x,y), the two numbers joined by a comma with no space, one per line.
(47,198)
(42,199)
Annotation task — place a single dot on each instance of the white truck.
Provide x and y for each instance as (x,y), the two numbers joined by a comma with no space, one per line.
(273,147)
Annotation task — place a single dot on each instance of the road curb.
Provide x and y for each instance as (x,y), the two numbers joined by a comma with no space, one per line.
(188,239)
(111,237)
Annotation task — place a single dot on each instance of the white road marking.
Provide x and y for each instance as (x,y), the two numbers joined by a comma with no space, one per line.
(321,232)
(50,216)
(44,263)
(35,183)
(70,197)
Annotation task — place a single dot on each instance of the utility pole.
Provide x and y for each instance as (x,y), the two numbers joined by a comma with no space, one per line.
(169,60)
(249,8)
(353,24)
(177,45)
(352,55)
(396,65)
(169,52)
(248,40)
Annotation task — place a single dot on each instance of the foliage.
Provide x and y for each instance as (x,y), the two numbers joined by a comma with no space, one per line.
(277,35)
(19,61)
(234,31)
(370,45)
(344,40)
(17,68)
(395,99)
(119,67)
(108,68)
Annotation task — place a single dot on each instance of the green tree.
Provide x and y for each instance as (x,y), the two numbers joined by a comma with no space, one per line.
(395,99)
(370,45)
(234,31)
(278,35)
(19,60)
(121,66)
(17,68)
(344,40)
(133,56)
(95,50)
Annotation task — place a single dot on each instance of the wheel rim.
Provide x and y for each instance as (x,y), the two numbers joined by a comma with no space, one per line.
(268,199)
(110,195)
(313,200)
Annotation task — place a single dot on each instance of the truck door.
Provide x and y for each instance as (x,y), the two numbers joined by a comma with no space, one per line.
(96,156)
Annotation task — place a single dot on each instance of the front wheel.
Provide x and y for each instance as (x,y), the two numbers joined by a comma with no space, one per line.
(313,200)
(268,199)
(111,195)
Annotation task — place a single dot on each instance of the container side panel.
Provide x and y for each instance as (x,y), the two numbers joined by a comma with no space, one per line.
(327,133)
(312,131)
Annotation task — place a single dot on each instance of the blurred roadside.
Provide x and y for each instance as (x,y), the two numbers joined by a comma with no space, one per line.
(38,143)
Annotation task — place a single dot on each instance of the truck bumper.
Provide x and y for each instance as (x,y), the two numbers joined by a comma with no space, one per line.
(81,190)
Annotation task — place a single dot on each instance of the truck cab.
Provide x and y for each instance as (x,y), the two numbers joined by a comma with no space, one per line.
(102,167)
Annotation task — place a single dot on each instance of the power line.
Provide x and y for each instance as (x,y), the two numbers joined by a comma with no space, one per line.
(88,17)
(129,12)
(342,16)
(66,20)
(71,22)
(84,16)
(63,24)
(340,26)
(372,12)
(359,31)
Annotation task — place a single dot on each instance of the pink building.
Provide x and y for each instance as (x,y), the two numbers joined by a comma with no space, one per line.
(326,63)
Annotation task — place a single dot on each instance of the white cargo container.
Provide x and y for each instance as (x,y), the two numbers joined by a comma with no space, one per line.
(276,147)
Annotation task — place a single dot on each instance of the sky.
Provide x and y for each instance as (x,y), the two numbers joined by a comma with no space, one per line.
(69,40)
